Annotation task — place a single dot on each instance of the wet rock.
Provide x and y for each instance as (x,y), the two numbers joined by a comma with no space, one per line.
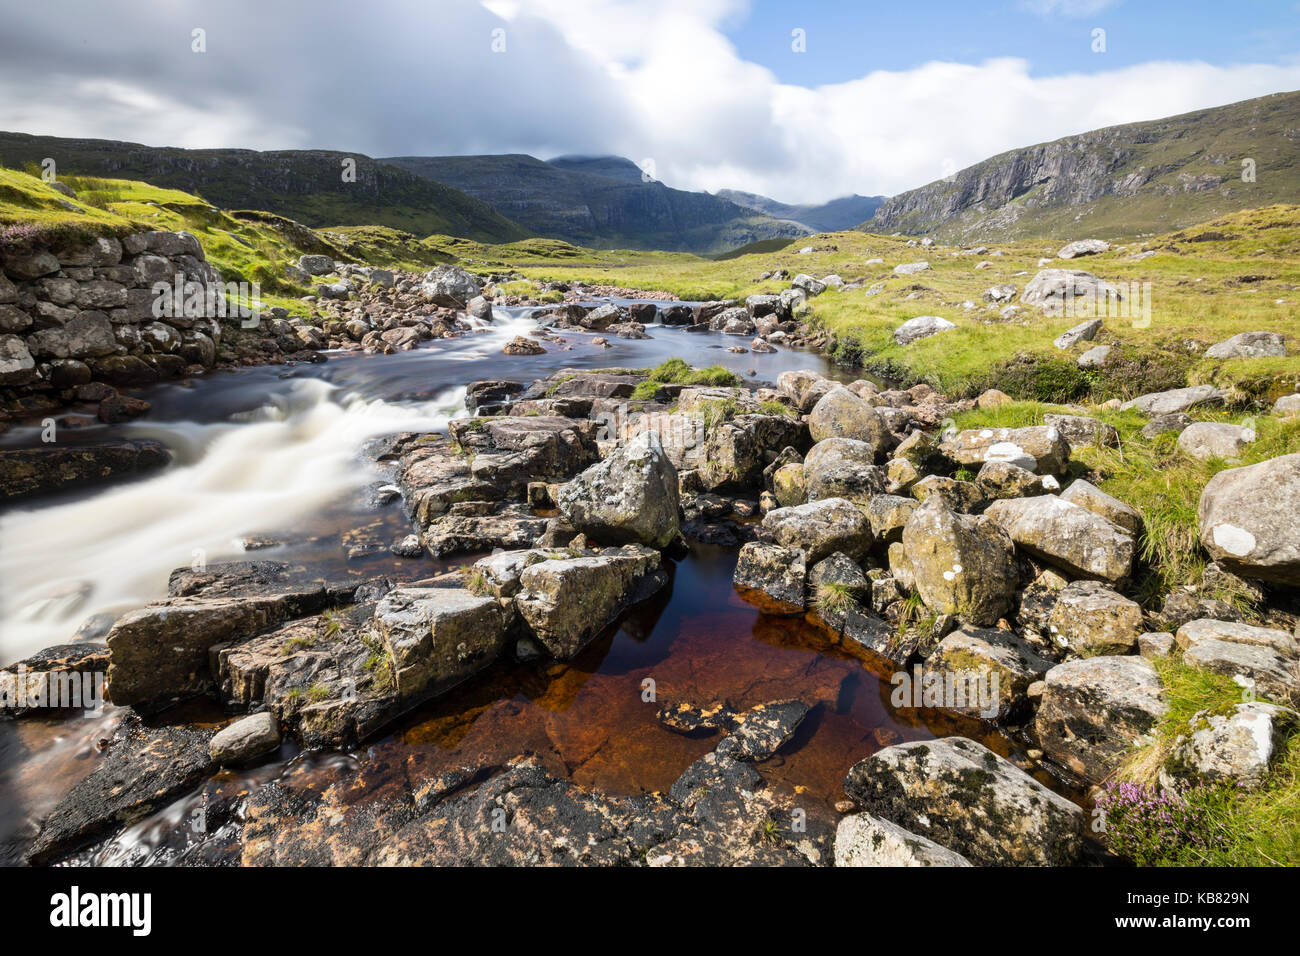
(437,637)
(567,602)
(961,564)
(966,798)
(245,739)
(864,840)
(1249,345)
(1232,749)
(1087,495)
(1206,440)
(629,498)
(490,396)
(1066,535)
(1038,448)
(761,731)
(66,674)
(778,572)
(32,471)
(841,414)
(142,770)
(820,528)
(520,345)
(1090,619)
(1176,400)
(690,718)
(1249,522)
(1094,711)
(993,667)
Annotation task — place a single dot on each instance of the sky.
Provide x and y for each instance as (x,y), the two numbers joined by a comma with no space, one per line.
(802,101)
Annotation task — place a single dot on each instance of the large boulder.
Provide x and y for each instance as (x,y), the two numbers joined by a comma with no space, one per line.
(1067,535)
(437,637)
(864,840)
(629,498)
(1091,619)
(841,414)
(32,471)
(1250,522)
(1096,710)
(820,528)
(966,798)
(449,286)
(1067,291)
(568,602)
(1206,440)
(921,327)
(1000,665)
(842,468)
(1038,448)
(1249,345)
(961,564)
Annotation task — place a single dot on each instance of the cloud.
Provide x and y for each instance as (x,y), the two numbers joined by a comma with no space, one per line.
(647,80)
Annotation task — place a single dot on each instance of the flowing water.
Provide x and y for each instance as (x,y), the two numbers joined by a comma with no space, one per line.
(276,452)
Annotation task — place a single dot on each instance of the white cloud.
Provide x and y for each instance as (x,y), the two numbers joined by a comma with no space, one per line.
(641,79)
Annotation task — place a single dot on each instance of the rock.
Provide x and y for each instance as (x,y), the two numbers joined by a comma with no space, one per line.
(842,468)
(961,564)
(1083,247)
(737,451)
(1155,644)
(568,602)
(789,485)
(1249,522)
(1083,332)
(1080,430)
(1173,422)
(821,528)
(1095,710)
(809,285)
(921,327)
(245,739)
(31,265)
(1206,440)
(1002,479)
(995,668)
(1232,749)
(963,497)
(968,799)
(889,515)
(450,287)
(761,731)
(1249,345)
(1067,291)
(523,346)
(89,335)
(1039,448)
(17,367)
(910,268)
(1094,357)
(121,408)
(438,637)
(629,498)
(62,677)
(1091,619)
(842,573)
(1000,294)
(1066,535)
(1175,400)
(1261,669)
(841,414)
(1287,405)
(1086,495)
(31,471)
(1235,632)
(992,398)
(141,771)
(864,840)
(778,572)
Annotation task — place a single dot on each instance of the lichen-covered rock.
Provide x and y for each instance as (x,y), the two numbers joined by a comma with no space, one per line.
(790,484)
(993,666)
(889,515)
(629,498)
(1080,430)
(1091,619)
(1232,749)
(962,497)
(736,451)
(841,414)
(1087,495)
(966,798)
(450,286)
(568,602)
(1206,440)
(1175,400)
(961,564)
(778,572)
(1249,521)
(1096,710)
(820,528)
(922,327)
(1037,448)
(1249,345)
(1002,479)
(842,468)
(1235,632)
(1066,535)
(1262,669)
(437,637)
(864,840)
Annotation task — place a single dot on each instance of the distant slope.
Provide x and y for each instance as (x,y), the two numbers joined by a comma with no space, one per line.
(600,202)
(306,185)
(834,216)
(1121,180)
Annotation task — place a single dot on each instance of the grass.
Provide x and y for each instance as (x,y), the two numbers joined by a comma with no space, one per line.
(834,597)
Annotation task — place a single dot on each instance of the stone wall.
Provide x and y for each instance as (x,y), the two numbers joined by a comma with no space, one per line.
(82,314)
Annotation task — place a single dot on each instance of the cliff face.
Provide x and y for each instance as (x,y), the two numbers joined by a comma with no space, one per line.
(305,185)
(1142,177)
(606,208)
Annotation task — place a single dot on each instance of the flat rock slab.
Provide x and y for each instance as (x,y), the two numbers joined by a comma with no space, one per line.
(34,471)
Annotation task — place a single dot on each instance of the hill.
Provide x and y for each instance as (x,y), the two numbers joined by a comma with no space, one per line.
(843,213)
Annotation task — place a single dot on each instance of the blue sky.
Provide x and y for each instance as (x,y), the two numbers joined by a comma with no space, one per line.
(847,39)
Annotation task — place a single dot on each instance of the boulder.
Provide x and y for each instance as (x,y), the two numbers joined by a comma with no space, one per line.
(1094,711)
(921,327)
(1067,291)
(1079,430)
(820,528)
(1094,357)
(889,515)
(1249,522)
(1087,495)
(842,468)
(437,637)
(1091,619)
(996,664)
(778,572)
(1038,448)
(737,451)
(1261,669)
(1083,247)
(841,414)
(910,268)
(961,564)
(966,798)
(1249,345)
(1002,479)
(1067,535)
(1174,400)
(629,498)
(1233,749)
(1206,440)
(1235,632)
(1287,405)
(1083,332)
(17,367)
(450,287)
(864,840)
(32,471)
